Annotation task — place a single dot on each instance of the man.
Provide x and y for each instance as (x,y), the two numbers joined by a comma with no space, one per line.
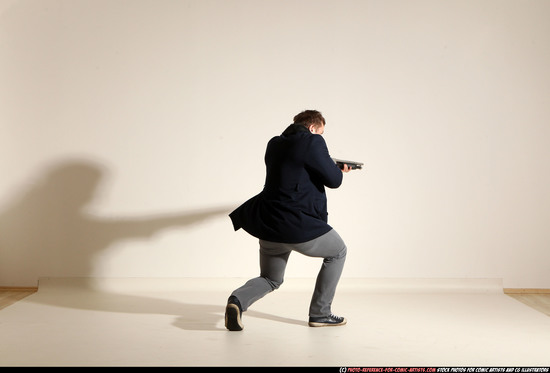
(290,214)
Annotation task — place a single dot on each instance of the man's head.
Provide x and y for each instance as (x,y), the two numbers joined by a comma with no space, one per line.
(311,119)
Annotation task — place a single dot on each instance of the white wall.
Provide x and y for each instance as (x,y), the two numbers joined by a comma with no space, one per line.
(129,128)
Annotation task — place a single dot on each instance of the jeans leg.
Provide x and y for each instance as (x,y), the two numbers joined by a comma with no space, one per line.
(272,269)
(333,250)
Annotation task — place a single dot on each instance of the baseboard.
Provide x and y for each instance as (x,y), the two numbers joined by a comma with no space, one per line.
(19,288)
(506,290)
(526,291)
(366,285)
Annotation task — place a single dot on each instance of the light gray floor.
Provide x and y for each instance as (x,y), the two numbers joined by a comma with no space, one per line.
(179,322)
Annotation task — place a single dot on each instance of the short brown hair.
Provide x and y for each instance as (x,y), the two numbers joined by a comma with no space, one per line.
(309,117)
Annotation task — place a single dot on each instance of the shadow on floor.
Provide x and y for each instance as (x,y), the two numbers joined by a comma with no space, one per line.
(189,316)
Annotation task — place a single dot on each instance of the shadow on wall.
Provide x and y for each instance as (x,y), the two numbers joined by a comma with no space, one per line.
(45,231)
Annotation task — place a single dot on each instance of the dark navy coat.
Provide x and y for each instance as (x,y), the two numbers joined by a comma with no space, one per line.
(292,207)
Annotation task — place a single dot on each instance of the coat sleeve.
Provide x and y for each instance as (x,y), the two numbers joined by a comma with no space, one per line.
(319,162)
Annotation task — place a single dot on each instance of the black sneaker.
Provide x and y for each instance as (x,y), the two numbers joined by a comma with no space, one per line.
(330,320)
(233,312)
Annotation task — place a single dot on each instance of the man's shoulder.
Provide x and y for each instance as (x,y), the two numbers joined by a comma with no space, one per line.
(317,140)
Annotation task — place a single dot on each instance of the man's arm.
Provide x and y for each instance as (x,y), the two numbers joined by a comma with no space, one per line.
(319,161)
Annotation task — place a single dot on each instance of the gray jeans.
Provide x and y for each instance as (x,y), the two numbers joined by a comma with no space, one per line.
(273,259)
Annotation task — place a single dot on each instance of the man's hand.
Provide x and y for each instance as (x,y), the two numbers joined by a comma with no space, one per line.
(346,168)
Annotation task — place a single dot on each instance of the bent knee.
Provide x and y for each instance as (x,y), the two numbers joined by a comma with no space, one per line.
(275,284)
(341,255)
(343,252)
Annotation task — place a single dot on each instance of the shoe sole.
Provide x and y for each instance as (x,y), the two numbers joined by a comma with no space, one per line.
(233,318)
(321,324)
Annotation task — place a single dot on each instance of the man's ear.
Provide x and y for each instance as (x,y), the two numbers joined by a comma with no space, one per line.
(312,128)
